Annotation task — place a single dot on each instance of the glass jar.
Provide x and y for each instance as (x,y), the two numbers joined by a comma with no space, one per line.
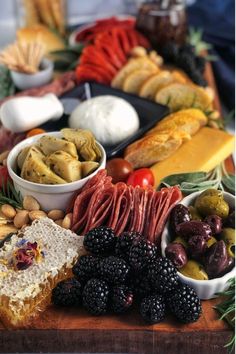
(163,21)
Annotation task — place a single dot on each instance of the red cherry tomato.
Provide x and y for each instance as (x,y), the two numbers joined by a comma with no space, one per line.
(119,169)
(142,177)
(4,176)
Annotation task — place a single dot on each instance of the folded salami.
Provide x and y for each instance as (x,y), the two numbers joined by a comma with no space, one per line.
(122,207)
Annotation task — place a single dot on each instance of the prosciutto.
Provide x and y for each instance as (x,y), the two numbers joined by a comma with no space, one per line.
(123,208)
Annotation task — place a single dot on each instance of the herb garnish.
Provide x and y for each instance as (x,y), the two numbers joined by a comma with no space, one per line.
(227,311)
(198,181)
(9,195)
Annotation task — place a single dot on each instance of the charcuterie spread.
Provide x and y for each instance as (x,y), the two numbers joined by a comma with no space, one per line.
(105,212)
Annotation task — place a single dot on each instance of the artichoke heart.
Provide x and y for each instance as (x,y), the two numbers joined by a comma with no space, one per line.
(50,144)
(35,170)
(64,165)
(88,167)
(85,143)
(22,156)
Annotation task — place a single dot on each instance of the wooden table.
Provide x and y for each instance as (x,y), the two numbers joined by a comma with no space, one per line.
(73,330)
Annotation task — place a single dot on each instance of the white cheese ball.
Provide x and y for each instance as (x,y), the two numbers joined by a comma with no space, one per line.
(109,118)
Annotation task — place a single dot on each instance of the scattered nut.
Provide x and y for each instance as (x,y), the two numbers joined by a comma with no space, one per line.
(59,222)
(3,156)
(8,211)
(21,218)
(37,214)
(30,203)
(138,52)
(56,214)
(66,223)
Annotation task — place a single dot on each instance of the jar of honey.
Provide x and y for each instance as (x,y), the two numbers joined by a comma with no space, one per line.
(163,21)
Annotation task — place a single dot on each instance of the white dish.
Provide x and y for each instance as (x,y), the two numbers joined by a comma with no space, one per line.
(205,289)
(26,81)
(49,196)
(73,35)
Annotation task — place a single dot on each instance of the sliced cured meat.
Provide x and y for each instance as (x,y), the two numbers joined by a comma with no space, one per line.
(58,86)
(133,38)
(124,213)
(84,198)
(150,197)
(173,196)
(9,139)
(119,190)
(98,214)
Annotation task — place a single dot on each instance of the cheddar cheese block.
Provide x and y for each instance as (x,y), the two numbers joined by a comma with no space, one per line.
(207,149)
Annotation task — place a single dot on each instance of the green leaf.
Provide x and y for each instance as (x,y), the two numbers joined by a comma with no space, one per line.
(229,182)
(176,179)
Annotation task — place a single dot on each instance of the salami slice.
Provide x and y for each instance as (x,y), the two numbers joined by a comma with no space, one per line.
(99,213)
(147,218)
(125,207)
(173,196)
(119,190)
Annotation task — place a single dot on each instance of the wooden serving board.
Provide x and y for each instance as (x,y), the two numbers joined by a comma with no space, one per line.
(73,330)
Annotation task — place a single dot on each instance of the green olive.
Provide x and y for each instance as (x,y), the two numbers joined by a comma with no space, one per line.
(179,239)
(228,236)
(194,270)
(212,205)
(194,214)
(211,192)
(211,241)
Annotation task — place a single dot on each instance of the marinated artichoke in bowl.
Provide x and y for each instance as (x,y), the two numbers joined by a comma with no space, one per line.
(203,237)
(55,160)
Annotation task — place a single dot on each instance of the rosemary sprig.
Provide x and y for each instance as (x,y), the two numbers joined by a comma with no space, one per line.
(227,311)
(195,39)
(9,195)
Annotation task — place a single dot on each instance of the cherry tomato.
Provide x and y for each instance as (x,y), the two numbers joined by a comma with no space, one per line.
(142,177)
(4,176)
(34,132)
(119,169)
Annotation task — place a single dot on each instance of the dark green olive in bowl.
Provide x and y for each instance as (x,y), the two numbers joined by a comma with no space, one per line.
(212,205)
(228,236)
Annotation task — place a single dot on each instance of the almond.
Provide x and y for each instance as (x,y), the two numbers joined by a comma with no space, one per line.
(66,223)
(30,203)
(37,214)
(21,218)
(56,214)
(8,211)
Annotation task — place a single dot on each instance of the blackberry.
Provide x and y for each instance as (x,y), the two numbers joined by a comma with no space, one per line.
(121,299)
(170,52)
(95,296)
(86,267)
(163,275)
(141,285)
(184,304)
(67,293)
(142,253)
(100,240)
(197,78)
(152,309)
(114,270)
(200,63)
(124,242)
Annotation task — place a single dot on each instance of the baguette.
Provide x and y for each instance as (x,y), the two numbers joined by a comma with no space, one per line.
(165,138)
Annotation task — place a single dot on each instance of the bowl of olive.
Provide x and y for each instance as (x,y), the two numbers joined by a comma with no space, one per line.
(199,239)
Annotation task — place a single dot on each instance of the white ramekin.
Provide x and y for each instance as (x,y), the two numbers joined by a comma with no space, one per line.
(49,196)
(26,81)
(205,289)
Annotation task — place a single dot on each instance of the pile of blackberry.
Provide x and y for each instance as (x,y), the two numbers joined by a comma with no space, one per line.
(185,58)
(121,271)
